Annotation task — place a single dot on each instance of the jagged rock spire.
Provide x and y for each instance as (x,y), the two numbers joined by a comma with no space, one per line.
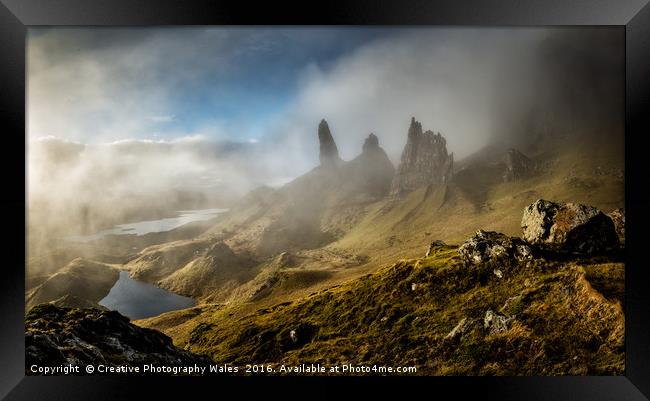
(372,142)
(329,153)
(424,161)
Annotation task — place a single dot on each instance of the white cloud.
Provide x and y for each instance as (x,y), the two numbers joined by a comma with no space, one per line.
(162,119)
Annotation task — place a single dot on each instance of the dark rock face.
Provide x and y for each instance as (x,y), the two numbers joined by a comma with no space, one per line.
(618,217)
(487,246)
(61,336)
(329,153)
(424,161)
(371,143)
(569,227)
(372,171)
(518,166)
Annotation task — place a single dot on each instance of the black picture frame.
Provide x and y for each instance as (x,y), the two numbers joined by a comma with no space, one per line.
(17,15)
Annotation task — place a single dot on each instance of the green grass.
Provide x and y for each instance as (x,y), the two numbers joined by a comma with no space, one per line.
(562,326)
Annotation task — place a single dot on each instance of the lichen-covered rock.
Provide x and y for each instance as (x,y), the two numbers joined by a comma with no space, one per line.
(618,217)
(464,326)
(62,336)
(424,161)
(495,323)
(487,246)
(569,227)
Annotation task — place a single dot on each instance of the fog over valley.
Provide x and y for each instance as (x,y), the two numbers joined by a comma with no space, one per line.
(124,123)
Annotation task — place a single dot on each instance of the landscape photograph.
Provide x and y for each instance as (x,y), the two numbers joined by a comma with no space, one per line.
(335,200)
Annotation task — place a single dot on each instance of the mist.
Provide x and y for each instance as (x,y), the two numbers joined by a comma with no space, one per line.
(109,139)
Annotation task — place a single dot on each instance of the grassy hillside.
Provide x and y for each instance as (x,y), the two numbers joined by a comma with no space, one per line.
(80,283)
(558,322)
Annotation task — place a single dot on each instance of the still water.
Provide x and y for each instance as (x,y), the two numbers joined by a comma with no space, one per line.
(138,300)
(152,226)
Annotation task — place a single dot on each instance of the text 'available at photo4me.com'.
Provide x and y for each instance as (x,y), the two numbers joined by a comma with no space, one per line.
(198,370)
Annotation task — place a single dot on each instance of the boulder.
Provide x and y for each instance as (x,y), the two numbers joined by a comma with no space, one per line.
(487,246)
(463,326)
(495,323)
(569,227)
(618,217)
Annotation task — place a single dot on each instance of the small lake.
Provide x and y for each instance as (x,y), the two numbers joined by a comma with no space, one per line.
(152,226)
(139,300)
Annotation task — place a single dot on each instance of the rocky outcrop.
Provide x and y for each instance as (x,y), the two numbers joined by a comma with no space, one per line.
(329,153)
(424,161)
(464,326)
(518,165)
(618,217)
(569,227)
(69,336)
(434,245)
(495,323)
(371,143)
(372,171)
(487,246)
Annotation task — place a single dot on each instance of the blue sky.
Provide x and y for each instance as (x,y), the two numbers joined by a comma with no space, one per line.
(237,80)
(273,85)
(262,82)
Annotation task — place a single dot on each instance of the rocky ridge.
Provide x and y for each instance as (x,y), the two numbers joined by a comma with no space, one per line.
(79,337)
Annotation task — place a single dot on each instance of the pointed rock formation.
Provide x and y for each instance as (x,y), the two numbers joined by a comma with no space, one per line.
(371,171)
(372,142)
(424,161)
(329,153)
(518,165)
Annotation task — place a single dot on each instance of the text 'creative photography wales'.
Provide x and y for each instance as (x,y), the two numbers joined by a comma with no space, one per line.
(325,201)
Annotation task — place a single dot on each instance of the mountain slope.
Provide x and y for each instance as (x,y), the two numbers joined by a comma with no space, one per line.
(337,221)
(446,318)
(80,283)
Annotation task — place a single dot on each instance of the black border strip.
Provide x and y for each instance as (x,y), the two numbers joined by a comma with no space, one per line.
(20,13)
